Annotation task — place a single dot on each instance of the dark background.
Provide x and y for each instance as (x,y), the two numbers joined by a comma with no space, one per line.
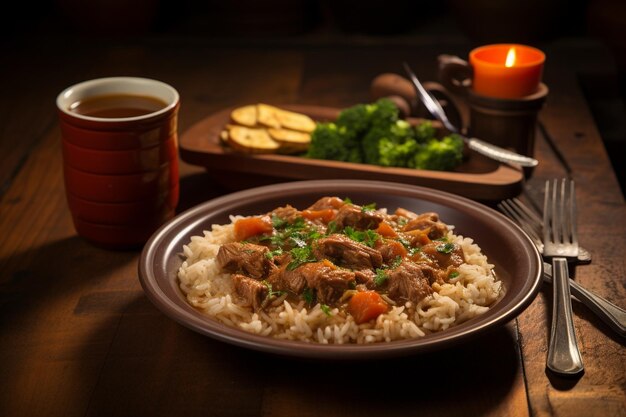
(314,22)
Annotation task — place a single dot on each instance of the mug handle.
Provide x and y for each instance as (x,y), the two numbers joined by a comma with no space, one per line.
(455,74)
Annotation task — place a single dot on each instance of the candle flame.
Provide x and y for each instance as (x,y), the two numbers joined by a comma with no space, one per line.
(510,58)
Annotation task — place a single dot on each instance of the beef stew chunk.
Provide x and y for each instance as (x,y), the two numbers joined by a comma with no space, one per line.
(325,203)
(252,291)
(345,252)
(353,216)
(429,223)
(246,258)
(408,282)
(328,281)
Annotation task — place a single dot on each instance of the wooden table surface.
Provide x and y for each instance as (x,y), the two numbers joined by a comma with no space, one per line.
(79,338)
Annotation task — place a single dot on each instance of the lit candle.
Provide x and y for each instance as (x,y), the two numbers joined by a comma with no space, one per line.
(506,70)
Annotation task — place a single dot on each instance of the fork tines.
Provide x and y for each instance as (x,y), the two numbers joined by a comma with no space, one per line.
(526,218)
(559,218)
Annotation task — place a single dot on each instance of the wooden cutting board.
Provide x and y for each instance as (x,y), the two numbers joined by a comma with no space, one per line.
(477,177)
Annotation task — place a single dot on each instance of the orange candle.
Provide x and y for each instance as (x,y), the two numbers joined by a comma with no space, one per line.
(506,70)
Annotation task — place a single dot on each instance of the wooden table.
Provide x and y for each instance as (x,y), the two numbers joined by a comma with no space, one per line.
(78,337)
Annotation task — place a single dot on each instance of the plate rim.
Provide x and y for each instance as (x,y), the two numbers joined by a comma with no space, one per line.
(203,324)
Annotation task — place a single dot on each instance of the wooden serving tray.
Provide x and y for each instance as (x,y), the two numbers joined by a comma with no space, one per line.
(477,177)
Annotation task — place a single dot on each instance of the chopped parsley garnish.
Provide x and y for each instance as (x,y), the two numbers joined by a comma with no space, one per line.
(286,231)
(445,248)
(453,274)
(277,222)
(412,250)
(300,256)
(396,262)
(347,200)
(442,239)
(381,273)
(325,309)
(271,293)
(402,221)
(367,237)
(271,254)
(381,277)
(368,207)
(332,227)
(313,235)
(308,295)
(297,240)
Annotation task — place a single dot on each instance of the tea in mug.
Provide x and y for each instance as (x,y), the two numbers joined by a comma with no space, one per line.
(117,106)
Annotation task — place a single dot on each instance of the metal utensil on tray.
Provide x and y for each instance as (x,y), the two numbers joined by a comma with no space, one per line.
(612,315)
(480,146)
(560,242)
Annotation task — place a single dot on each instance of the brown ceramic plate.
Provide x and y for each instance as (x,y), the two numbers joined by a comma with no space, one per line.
(477,177)
(518,264)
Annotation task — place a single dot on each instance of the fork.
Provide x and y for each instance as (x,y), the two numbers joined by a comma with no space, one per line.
(529,221)
(560,240)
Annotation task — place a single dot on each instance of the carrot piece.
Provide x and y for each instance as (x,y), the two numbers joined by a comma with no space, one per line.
(329,264)
(252,226)
(325,215)
(424,239)
(385,230)
(366,305)
(395,249)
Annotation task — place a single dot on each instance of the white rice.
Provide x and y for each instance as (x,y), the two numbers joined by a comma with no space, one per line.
(208,289)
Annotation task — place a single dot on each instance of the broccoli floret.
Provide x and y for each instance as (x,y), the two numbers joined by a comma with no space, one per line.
(355,119)
(383,113)
(329,141)
(439,155)
(396,155)
(395,133)
(424,131)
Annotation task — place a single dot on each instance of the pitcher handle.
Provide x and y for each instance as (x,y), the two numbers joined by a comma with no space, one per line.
(455,74)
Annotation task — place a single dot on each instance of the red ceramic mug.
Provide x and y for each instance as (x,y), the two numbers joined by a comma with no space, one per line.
(120,154)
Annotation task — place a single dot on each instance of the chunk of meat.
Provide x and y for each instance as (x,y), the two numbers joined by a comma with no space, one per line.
(253,292)
(401,212)
(284,279)
(347,253)
(288,213)
(353,216)
(246,258)
(327,203)
(427,222)
(408,282)
(365,277)
(432,273)
(444,254)
(328,281)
